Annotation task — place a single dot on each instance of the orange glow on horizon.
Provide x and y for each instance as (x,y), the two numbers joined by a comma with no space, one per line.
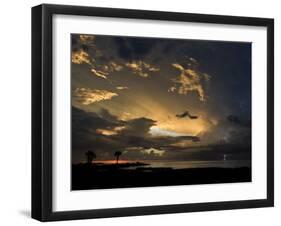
(113,161)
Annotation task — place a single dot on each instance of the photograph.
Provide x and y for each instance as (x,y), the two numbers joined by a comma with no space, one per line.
(141,112)
(153,111)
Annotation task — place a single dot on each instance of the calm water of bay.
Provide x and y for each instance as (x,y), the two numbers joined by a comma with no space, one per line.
(198,164)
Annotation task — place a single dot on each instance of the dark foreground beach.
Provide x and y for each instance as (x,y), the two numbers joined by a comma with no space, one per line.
(85,176)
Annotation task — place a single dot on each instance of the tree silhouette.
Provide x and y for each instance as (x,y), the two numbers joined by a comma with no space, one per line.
(117,154)
(90,155)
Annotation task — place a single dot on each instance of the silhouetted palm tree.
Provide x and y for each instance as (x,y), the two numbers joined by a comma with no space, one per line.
(117,154)
(90,156)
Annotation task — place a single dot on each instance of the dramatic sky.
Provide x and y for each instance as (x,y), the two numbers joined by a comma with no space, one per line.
(153,98)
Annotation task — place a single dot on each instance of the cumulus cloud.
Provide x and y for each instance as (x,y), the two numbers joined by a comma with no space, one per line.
(98,73)
(122,87)
(82,54)
(141,68)
(110,67)
(114,66)
(102,66)
(172,89)
(153,151)
(189,80)
(86,39)
(80,57)
(103,70)
(88,96)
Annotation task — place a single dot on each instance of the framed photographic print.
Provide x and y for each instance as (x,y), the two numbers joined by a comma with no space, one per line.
(147,112)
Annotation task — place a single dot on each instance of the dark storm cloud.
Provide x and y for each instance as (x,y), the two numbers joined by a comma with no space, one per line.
(230,130)
(237,121)
(84,132)
(88,121)
(136,143)
(138,127)
(186,114)
(88,128)
(105,114)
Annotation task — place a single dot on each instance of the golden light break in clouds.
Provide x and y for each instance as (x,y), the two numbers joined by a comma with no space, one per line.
(87,96)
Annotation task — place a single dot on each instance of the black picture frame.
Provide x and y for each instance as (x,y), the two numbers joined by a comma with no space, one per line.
(42,107)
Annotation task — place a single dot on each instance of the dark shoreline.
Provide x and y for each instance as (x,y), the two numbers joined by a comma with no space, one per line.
(85,177)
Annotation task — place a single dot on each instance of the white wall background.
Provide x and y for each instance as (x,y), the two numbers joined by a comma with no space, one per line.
(15,113)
